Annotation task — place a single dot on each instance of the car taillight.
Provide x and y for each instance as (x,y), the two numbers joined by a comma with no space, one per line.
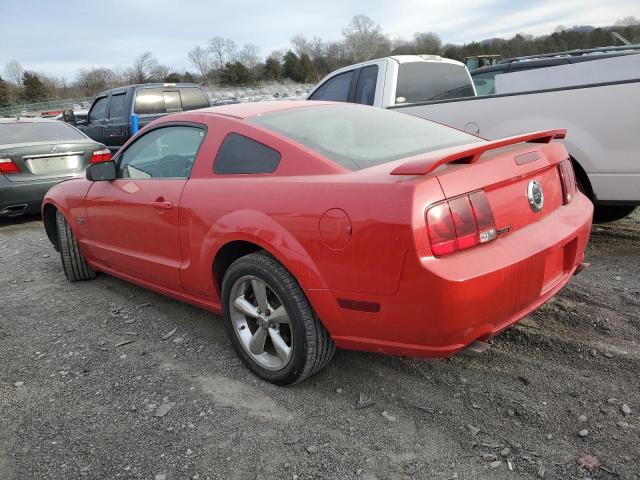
(8,166)
(103,155)
(568,179)
(460,223)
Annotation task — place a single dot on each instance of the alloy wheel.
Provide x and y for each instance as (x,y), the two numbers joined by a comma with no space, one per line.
(261,322)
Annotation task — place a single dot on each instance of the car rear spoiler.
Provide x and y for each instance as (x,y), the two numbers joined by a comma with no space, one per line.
(470,153)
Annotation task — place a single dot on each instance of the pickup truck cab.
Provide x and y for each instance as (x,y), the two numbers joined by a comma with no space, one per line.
(597,108)
(397,80)
(109,119)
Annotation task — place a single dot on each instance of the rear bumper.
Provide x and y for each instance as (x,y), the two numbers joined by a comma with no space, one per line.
(18,198)
(443,304)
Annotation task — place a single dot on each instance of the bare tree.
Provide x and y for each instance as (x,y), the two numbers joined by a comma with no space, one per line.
(338,55)
(249,56)
(277,54)
(627,22)
(427,42)
(143,68)
(120,76)
(159,73)
(94,80)
(52,84)
(222,50)
(13,70)
(201,59)
(365,39)
(316,48)
(300,45)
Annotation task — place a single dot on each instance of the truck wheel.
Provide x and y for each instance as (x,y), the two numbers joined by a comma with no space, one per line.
(73,262)
(611,213)
(270,322)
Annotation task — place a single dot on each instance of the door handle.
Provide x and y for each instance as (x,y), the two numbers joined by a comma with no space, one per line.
(162,205)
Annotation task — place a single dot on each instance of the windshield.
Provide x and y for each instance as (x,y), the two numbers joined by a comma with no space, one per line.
(427,81)
(358,137)
(27,132)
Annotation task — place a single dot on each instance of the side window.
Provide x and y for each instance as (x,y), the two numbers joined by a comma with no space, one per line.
(116,109)
(335,89)
(239,154)
(166,152)
(99,110)
(149,101)
(366,89)
(193,98)
(485,82)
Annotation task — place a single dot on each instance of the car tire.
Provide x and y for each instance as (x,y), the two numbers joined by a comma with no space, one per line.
(73,262)
(308,344)
(611,213)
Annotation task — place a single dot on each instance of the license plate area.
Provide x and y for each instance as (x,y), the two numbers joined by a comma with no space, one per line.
(46,165)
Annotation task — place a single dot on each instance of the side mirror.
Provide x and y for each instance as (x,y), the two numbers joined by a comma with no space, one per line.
(101,172)
(69,117)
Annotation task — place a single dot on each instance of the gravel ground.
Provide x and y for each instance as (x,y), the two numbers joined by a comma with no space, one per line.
(557,396)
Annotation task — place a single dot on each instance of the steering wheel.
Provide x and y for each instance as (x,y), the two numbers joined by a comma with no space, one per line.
(172,166)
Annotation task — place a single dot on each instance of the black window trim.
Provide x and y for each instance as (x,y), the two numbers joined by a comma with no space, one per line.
(354,86)
(124,94)
(213,167)
(95,102)
(118,156)
(351,92)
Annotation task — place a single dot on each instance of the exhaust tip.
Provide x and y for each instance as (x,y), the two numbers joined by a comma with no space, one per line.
(475,349)
(13,210)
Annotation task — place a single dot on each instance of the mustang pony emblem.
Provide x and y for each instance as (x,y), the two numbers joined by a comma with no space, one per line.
(535,195)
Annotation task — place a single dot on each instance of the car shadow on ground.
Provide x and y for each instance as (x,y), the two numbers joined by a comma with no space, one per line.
(19,220)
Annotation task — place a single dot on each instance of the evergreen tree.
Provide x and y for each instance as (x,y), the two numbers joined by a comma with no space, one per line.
(308,69)
(187,77)
(235,74)
(33,90)
(293,68)
(4,93)
(272,69)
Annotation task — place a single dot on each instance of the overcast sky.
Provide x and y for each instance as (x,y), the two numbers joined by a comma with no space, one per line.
(59,36)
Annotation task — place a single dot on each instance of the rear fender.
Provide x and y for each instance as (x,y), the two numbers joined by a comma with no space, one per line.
(258,228)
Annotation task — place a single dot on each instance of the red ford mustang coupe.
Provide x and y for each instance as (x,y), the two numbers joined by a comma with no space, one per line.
(312,225)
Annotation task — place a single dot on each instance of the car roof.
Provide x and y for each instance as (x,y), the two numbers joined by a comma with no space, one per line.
(424,58)
(530,63)
(138,86)
(251,109)
(28,120)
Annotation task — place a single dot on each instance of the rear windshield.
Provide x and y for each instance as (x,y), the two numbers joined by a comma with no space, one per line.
(158,100)
(358,137)
(426,81)
(26,132)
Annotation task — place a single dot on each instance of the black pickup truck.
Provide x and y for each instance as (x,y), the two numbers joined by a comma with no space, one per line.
(110,117)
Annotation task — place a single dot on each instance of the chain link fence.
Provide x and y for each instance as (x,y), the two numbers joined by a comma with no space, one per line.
(242,94)
(25,109)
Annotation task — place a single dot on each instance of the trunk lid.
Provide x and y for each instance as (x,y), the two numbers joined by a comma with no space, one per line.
(507,175)
(43,160)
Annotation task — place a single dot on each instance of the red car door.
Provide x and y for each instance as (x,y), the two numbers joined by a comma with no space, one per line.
(133,220)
